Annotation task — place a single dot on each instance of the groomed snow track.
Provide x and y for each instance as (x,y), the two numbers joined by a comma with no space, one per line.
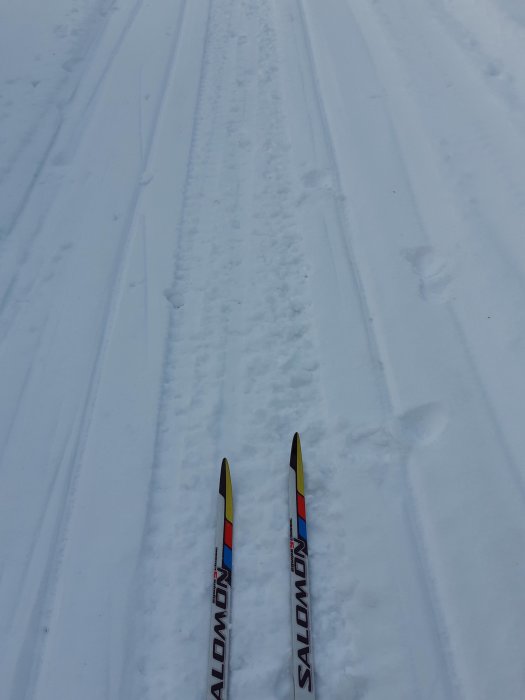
(247,218)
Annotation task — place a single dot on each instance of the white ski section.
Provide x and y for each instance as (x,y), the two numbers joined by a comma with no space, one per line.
(224,221)
(220,617)
(302,663)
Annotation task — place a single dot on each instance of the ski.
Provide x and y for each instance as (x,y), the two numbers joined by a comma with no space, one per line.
(302,655)
(219,653)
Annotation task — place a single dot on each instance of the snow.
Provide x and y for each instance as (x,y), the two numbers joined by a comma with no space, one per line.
(221,222)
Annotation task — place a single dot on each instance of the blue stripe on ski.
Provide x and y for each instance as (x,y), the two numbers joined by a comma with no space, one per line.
(227,557)
(301,527)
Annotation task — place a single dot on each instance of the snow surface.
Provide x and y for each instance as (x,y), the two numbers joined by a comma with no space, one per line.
(222,221)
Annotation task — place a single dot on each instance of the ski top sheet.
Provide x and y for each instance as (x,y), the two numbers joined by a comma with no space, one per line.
(219,654)
(302,655)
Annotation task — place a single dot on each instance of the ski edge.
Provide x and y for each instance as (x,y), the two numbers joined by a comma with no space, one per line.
(302,650)
(219,648)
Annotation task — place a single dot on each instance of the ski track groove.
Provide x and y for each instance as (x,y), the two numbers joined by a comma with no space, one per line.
(413,511)
(48,158)
(298,404)
(49,150)
(515,473)
(50,581)
(344,227)
(44,514)
(324,483)
(87,110)
(440,629)
(460,35)
(143,234)
(30,189)
(512,467)
(512,259)
(234,242)
(200,352)
(75,137)
(17,404)
(139,688)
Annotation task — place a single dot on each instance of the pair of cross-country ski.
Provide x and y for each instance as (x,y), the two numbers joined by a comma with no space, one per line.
(302,657)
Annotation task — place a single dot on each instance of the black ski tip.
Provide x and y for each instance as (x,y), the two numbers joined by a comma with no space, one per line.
(222,483)
(296,446)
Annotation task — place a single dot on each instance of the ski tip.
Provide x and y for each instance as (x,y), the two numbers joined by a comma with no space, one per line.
(225,476)
(225,489)
(296,463)
(295,454)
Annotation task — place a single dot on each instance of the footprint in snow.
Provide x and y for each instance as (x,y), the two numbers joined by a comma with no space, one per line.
(146,178)
(433,273)
(318,184)
(380,449)
(71,63)
(493,69)
(422,425)
(176,299)
(374,450)
(317,178)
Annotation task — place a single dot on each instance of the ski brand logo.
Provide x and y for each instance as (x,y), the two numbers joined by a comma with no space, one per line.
(221,585)
(302,614)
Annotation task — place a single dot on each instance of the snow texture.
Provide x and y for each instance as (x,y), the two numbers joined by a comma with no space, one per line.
(222,221)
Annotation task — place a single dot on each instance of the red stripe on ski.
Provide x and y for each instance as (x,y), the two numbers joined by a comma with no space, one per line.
(301,508)
(228,533)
